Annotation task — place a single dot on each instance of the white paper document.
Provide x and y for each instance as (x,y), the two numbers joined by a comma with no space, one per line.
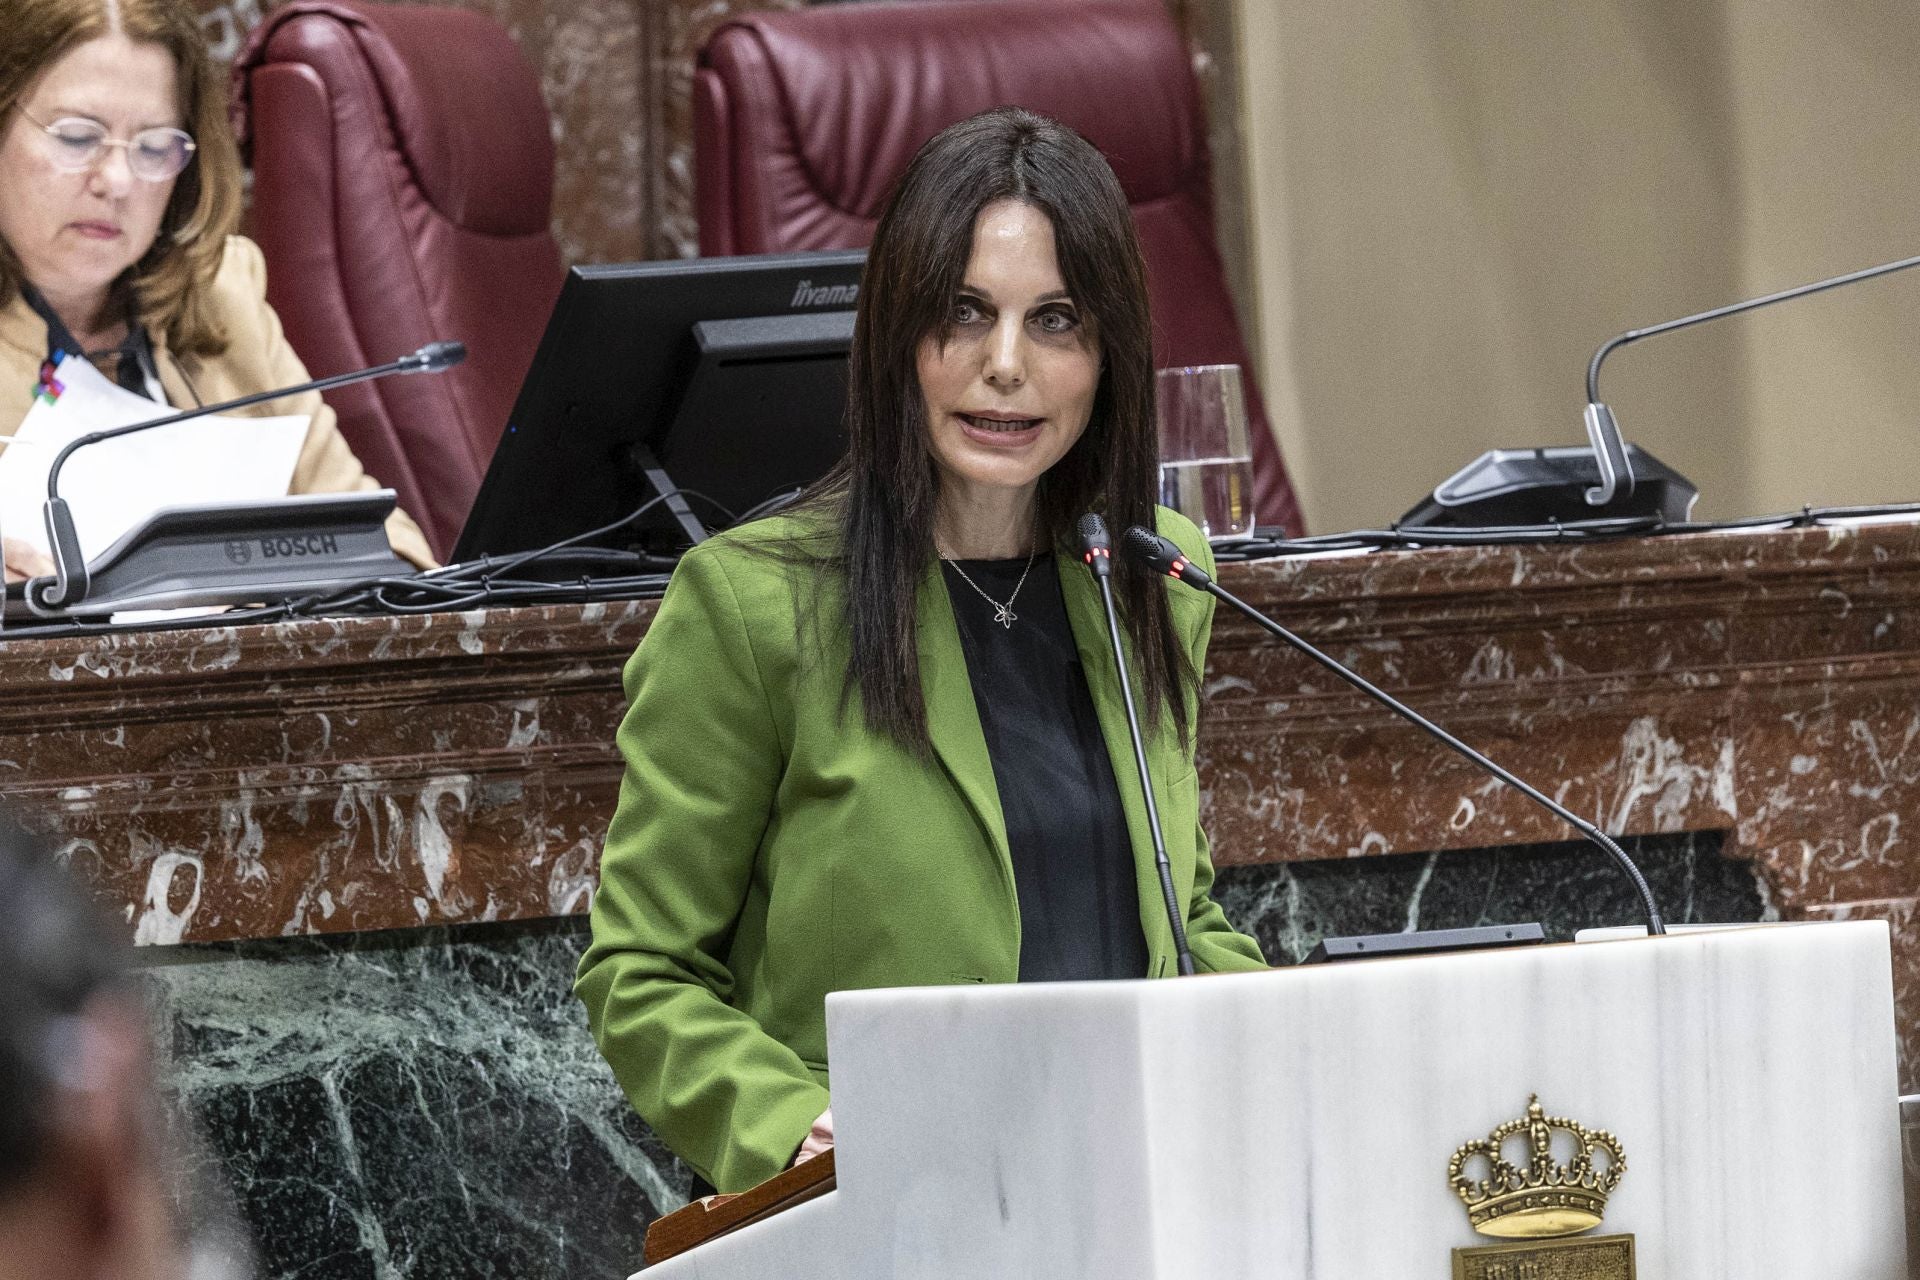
(113,486)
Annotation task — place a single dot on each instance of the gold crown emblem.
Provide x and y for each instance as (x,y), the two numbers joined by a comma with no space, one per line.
(1542,1197)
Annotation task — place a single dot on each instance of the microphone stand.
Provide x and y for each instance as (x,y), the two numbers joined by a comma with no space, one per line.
(1162,555)
(70,581)
(1608,448)
(1097,551)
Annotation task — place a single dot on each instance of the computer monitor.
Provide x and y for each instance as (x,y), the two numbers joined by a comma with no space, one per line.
(729,372)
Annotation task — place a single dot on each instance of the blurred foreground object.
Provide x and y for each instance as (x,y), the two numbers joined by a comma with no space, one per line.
(88,1187)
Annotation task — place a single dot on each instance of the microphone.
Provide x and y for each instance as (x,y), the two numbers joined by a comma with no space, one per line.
(435,357)
(1616,475)
(1095,547)
(1163,556)
(68,585)
(1097,551)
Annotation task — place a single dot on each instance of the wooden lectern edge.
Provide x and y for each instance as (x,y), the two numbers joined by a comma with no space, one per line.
(714,1216)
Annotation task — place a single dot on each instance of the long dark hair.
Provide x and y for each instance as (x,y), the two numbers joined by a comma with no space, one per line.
(885,489)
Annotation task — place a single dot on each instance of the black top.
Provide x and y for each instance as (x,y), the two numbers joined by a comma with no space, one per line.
(132,361)
(1072,857)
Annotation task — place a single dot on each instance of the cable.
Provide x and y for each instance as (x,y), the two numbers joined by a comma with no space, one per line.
(1272,543)
(767,506)
(528,557)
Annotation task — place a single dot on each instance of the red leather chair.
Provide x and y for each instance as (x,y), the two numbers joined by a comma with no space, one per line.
(403,185)
(803,119)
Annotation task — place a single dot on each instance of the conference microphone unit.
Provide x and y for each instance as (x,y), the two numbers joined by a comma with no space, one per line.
(1163,556)
(223,554)
(1097,550)
(1615,473)
(1520,487)
(57,596)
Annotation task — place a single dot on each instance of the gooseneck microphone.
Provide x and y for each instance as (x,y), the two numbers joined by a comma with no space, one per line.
(1097,551)
(1163,556)
(69,583)
(1604,433)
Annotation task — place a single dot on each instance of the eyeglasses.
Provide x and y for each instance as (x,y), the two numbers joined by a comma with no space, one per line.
(78,144)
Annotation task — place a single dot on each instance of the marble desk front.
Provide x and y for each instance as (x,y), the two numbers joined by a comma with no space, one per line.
(389,773)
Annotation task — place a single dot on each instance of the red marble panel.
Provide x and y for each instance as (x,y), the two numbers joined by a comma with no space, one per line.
(1830,771)
(1364,784)
(330,776)
(1606,689)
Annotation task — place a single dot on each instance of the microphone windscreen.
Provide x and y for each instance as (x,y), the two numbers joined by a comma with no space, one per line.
(1093,533)
(1150,549)
(436,356)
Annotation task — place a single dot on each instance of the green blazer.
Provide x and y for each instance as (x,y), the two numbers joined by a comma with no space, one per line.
(769,848)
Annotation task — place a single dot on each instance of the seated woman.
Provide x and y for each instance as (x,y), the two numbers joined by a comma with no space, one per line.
(880,741)
(119,193)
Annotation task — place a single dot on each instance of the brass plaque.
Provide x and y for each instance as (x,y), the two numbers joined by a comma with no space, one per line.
(1589,1258)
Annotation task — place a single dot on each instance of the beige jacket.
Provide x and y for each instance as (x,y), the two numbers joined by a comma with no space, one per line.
(257,359)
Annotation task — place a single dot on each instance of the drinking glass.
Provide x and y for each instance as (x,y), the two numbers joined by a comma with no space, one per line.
(1206,464)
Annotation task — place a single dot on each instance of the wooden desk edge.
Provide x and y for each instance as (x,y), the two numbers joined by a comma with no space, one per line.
(715,1216)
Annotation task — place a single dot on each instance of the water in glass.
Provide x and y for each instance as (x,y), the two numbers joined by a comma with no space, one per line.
(1206,464)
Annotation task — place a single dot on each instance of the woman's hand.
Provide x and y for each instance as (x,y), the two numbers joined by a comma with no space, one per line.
(819,1138)
(24,560)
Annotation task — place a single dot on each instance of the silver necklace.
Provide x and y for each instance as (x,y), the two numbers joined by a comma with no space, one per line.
(1002,613)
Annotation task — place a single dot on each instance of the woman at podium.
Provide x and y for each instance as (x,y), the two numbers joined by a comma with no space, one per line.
(120,186)
(879,740)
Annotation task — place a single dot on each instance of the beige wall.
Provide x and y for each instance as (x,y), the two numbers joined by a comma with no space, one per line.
(1453,204)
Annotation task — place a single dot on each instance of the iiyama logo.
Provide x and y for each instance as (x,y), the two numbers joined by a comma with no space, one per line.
(807,294)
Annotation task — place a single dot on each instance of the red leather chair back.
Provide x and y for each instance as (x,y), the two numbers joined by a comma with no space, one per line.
(403,187)
(804,119)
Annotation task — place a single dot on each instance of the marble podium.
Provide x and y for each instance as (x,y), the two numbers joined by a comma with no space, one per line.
(1299,1122)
